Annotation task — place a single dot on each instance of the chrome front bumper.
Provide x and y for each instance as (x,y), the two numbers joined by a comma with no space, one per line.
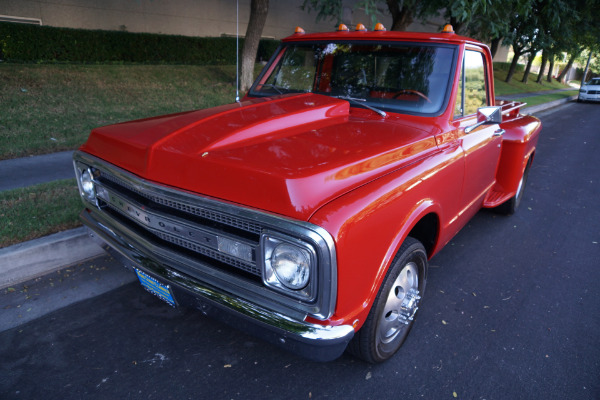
(313,341)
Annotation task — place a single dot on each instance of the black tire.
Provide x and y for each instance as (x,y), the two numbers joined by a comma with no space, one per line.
(391,316)
(510,206)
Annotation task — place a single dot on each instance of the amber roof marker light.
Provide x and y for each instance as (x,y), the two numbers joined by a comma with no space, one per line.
(448,29)
(360,28)
(342,28)
(299,30)
(379,27)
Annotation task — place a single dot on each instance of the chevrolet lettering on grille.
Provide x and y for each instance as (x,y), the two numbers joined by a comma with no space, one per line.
(161,224)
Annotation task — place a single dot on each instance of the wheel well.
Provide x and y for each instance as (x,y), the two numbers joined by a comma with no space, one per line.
(426,231)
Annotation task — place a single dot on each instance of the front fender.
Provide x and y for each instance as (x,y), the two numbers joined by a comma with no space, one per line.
(370,223)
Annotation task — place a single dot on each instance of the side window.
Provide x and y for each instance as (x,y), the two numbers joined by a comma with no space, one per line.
(472,93)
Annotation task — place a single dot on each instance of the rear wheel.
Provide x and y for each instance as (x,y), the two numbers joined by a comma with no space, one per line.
(510,206)
(393,311)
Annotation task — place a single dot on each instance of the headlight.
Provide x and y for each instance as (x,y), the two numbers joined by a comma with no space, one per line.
(87,185)
(582,90)
(289,266)
(85,181)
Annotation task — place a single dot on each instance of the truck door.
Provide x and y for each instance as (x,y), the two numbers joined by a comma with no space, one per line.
(482,145)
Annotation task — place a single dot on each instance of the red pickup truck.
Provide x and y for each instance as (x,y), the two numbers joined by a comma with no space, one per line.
(307,213)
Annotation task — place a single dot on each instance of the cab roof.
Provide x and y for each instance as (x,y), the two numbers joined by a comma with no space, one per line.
(441,37)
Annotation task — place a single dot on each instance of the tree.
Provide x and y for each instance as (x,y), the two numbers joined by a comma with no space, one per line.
(522,30)
(584,32)
(542,66)
(403,12)
(258,16)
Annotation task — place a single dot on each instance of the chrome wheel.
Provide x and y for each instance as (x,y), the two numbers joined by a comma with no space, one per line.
(400,306)
(391,316)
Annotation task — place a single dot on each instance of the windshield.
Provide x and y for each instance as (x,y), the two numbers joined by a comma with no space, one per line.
(594,81)
(398,77)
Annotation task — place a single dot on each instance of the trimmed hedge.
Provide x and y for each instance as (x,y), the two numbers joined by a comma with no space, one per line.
(40,44)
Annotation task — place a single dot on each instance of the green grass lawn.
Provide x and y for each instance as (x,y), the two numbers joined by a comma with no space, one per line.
(517,87)
(39,210)
(546,98)
(48,108)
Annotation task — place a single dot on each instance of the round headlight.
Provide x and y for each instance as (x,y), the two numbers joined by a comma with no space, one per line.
(87,185)
(291,264)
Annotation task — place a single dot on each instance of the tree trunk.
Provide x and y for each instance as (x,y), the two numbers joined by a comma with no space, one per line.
(258,16)
(562,76)
(495,45)
(550,69)
(513,65)
(528,67)
(401,17)
(542,67)
(456,25)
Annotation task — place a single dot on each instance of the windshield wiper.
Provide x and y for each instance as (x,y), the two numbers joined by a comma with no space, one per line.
(361,102)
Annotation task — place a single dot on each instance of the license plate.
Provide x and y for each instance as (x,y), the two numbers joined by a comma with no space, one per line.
(155,287)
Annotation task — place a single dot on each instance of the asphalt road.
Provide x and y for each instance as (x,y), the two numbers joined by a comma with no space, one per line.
(512,311)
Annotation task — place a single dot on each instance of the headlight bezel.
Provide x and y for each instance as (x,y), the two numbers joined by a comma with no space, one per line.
(269,243)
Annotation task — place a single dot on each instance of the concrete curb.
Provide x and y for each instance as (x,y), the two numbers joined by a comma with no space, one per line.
(29,260)
(24,261)
(546,106)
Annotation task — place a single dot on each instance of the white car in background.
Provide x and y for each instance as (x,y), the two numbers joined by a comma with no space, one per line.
(590,91)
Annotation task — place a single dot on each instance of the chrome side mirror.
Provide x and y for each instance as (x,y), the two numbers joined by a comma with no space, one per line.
(486,115)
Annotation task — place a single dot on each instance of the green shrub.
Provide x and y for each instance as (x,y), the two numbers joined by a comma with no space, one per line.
(43,44)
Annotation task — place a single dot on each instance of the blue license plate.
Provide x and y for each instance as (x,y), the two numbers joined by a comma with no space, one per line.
(155,287)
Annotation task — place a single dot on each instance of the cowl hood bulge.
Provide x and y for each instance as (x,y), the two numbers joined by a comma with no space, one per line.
(289,155)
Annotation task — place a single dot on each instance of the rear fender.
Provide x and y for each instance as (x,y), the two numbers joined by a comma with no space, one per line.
(518,147)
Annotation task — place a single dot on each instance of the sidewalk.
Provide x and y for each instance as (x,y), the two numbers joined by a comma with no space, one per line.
(25,261)
(28,171)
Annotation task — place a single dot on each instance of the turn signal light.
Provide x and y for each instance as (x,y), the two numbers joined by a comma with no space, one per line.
(379,27)
(448,29)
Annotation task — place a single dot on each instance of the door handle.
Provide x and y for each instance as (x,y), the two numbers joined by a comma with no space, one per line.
(499,132)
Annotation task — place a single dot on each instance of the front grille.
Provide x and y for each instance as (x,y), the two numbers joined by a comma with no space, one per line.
(186,208)
(593,91)
(216,223)
(207,240)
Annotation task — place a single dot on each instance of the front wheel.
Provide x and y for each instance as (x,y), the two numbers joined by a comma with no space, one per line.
(393,311)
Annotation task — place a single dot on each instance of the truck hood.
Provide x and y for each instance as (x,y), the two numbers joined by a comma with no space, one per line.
(288,155)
